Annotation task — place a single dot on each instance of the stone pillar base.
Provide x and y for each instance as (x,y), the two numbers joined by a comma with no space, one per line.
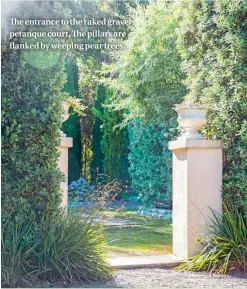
(197,181)
(65,143)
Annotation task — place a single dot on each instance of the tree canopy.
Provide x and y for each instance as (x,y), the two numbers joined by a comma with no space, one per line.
(147,75)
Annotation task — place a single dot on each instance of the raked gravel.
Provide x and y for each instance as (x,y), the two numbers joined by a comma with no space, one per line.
(168,278)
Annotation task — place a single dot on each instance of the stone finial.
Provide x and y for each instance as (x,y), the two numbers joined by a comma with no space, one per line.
(65,114)
(191,118)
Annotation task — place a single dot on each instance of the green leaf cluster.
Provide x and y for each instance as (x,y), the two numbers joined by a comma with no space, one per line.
(31,118)
(147,74)
(109,141)
(147,80)
(97,162)
(150,160)
(115,143)
(212,41)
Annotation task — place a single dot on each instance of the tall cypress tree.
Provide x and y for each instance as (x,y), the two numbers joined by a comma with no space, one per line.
(115,144)
(72,126)
(97,133)
(109,144)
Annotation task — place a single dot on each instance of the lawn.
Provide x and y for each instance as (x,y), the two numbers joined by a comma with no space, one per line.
(138,235)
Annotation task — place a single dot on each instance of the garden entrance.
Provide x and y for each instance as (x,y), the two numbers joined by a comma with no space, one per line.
(131,234)
(196,200)
(132,230)
(123,122)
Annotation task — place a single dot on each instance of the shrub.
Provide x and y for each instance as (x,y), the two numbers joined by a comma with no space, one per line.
(226,247)
(100,194)
(31,118)
(66,248)
(150,160)
(80,190)
(212,42)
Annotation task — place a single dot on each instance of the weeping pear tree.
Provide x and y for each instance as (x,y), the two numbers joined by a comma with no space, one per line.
(212,41)
(147,80)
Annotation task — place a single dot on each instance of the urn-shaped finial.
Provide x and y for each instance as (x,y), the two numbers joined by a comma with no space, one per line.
(65,114)
(66,107)
(191,118)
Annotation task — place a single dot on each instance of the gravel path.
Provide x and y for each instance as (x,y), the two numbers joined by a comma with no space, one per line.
(163,278)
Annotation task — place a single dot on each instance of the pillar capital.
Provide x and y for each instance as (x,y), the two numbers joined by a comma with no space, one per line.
(194,143)
(66,142)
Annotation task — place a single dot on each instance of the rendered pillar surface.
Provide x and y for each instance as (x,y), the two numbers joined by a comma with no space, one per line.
(65,143)
(197,181)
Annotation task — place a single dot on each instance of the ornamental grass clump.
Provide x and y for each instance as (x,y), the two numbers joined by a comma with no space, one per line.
(67,249)
(17,248)
(226,248)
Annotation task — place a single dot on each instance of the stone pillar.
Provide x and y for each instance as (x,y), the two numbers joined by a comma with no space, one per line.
(65,143)
(197,181)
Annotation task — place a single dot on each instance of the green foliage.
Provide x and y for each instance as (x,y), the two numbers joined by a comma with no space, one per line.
(115,143)
(97,134)
(147,75)
(65,248)
(212,42)
(147,80)
(17,248)
(72,126)
(37,241)
(31,117)
(150,160)
(82,69)
(226,247)
(88,79)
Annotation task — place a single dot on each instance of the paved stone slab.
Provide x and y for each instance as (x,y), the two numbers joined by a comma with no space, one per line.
(160,261)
